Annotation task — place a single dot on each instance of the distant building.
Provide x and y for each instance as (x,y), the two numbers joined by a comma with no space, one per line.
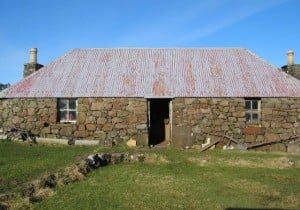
(180,95)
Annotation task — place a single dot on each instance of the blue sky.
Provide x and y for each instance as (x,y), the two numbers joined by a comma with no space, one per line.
(266,27)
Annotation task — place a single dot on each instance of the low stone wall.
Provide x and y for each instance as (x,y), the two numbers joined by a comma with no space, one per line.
(280,118)
(101,119)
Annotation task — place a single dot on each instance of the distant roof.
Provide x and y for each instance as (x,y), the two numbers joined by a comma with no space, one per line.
(157,72)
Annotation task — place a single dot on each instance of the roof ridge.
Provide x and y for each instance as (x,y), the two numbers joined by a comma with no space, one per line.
(158,48)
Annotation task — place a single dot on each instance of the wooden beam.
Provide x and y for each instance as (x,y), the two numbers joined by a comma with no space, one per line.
(209,146)
(273,142)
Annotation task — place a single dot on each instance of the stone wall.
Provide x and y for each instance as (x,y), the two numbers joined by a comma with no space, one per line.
(120,119)
(30,68)
(29,114)
(293,70)
(280,118)
(101,119)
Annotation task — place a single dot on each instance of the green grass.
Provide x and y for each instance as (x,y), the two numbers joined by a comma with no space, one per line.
(168,179)
(177,179)
(22,162)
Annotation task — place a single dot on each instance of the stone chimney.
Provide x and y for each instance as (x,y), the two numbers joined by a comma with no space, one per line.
(291,68)
(32,66)
(290,57)
(33,55)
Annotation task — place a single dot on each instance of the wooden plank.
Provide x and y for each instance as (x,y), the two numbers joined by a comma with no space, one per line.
(210,145)
(240,146)
(273,142)
(246,147)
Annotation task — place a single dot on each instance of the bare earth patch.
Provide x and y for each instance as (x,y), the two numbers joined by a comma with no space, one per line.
(200,161)
(274,163)
(155,159)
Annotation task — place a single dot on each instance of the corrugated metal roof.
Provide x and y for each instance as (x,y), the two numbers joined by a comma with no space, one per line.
(172,72)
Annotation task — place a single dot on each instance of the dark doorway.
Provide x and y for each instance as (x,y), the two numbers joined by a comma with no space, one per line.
(158,115)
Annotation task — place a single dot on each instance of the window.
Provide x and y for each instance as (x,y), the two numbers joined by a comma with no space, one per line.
(252,107)
(67,110)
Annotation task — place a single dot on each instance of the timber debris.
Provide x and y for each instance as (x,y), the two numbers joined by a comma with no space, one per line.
(243,146)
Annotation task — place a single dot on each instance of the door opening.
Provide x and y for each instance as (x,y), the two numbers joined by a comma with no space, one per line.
(159,120)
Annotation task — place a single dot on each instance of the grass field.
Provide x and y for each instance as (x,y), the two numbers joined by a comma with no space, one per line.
(174,179)
(22,162)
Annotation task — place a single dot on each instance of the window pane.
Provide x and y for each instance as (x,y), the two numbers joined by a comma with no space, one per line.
(254,104)
(72,115)
(63,115)
(67,109)
(252,110)
(72,104)
(248,117)
(254,117)
(248,104)
(62,104)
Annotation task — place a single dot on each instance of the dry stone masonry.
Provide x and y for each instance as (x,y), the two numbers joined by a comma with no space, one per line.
(280,118)
(121,119)
(102,119)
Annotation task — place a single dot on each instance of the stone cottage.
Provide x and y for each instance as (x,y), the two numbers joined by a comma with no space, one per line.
(180,95)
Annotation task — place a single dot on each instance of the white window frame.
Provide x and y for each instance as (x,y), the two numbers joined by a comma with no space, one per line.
(253,111)
(68,110)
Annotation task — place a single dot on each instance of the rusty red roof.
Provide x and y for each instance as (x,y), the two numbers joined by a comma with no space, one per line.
(152,73)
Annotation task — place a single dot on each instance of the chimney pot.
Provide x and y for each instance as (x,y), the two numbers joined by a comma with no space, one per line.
(290,57)
(33,56)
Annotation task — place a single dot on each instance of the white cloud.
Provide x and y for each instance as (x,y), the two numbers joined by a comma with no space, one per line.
(227,17)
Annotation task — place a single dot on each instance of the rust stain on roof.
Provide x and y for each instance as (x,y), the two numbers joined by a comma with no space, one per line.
(216,71)
(163,72)
(158,88)
(189,80)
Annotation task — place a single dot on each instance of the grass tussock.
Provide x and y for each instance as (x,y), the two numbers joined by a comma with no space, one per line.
(41,194)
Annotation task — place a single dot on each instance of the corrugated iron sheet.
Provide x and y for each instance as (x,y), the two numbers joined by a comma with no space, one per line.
(152,73)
